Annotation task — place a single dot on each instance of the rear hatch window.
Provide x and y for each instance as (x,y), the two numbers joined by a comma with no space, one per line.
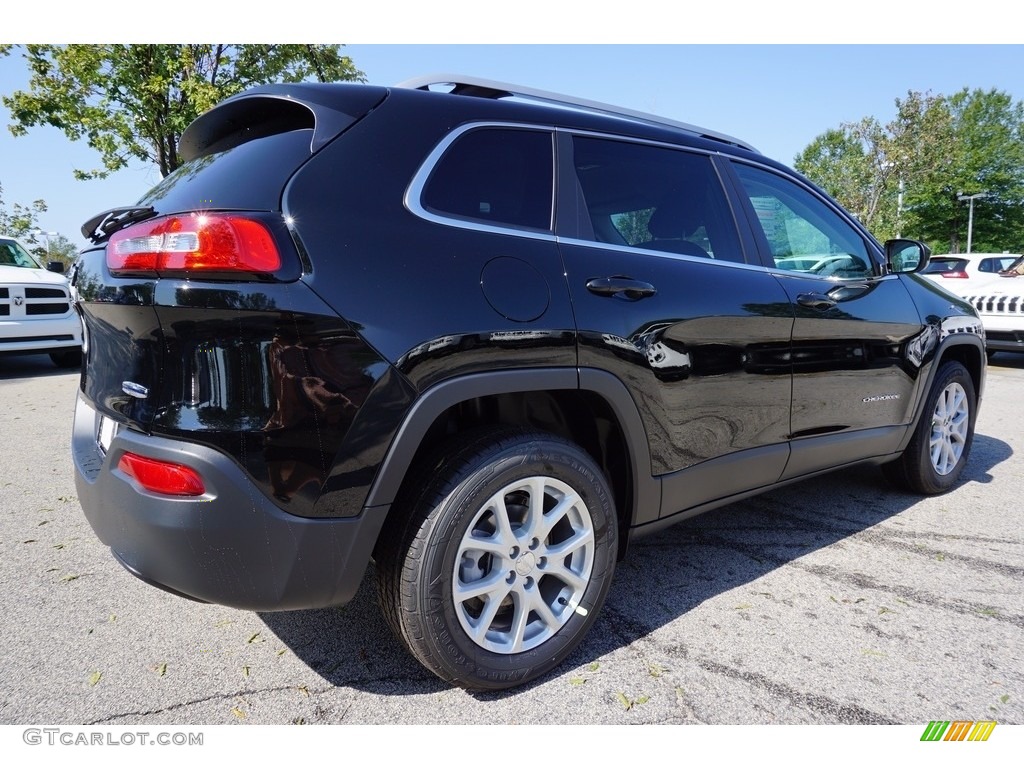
(249,176)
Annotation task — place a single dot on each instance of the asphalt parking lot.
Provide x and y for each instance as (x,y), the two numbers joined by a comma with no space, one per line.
(835,601)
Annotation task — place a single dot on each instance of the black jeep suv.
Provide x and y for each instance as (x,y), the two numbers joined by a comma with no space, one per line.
(484,342)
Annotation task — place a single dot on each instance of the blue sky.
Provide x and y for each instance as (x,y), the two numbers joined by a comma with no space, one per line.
(776,97)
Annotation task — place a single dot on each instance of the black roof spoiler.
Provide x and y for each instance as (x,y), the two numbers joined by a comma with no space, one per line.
(327,108)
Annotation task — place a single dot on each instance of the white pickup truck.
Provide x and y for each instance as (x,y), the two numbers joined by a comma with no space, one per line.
(37,315)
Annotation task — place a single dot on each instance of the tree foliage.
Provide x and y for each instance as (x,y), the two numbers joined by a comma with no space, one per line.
(58,248)
(905,177)
(21,220)
(133,101)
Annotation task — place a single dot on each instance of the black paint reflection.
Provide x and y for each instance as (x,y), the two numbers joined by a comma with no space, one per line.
(457,354)
(277,390)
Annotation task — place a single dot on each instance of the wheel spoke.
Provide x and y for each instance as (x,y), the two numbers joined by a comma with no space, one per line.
(566,576)
(521,613)
(484,586)
(486,618)
(950,429)
(560,510)
(511,583)
(491,544)
(504,532)
(535,517)
(579,539)
(544,611)
(957,407)
(948,458)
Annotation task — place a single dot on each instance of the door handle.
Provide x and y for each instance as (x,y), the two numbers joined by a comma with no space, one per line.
(621,287)
(848,291)
(819,301)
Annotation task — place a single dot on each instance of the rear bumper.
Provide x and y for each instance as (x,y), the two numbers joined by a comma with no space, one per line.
(232,546)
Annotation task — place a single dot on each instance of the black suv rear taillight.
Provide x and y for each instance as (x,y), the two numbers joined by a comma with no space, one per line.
(211,244)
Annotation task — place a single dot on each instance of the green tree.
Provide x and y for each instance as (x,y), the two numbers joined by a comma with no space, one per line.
(904,177)
(986,154)
(58,248)
(633,225)
(21,220)
(134,101)
(841,164)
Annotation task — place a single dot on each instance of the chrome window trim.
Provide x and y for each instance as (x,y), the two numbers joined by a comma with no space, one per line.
(663,254)
(830,279)
(588,134)
(414,195)
(413,198)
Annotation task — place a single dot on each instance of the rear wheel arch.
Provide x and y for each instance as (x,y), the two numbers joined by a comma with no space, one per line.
(587,407)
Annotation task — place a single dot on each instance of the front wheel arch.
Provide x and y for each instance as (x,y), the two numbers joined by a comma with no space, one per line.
(940,444)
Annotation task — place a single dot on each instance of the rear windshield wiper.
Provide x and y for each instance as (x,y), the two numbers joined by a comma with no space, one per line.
(103,225)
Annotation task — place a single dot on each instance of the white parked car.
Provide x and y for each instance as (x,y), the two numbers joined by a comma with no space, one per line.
(959,273)
(36,312)
(999,299)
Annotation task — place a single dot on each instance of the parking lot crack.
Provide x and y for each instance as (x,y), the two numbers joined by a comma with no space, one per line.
(838,712)
(863,581)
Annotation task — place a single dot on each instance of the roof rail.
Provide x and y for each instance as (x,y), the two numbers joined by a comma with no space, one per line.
(475,86)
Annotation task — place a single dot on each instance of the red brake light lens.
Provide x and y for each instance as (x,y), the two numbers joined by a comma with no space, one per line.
(162,476)
(955,273)
(196,242)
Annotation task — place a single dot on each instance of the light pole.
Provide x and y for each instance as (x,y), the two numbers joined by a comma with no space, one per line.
(899,209)
(46,236)
(893,165)
(970,216)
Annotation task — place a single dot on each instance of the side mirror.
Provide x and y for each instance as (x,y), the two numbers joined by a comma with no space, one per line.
(904,256)
(55,266)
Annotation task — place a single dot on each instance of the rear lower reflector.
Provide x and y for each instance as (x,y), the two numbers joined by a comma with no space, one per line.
(162,476)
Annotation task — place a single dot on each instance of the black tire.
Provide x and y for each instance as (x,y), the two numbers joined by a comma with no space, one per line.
(492,641)
(935,457)
(71,358)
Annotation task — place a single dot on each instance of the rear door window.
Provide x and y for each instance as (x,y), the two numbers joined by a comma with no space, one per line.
(655,198)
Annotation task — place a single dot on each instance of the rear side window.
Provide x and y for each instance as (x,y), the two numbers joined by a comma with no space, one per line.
(996,264)
(498,176)
(655,198)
